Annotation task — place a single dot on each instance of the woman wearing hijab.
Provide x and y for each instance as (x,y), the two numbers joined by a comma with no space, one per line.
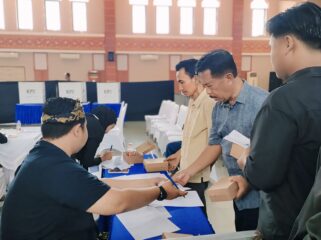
(99,121)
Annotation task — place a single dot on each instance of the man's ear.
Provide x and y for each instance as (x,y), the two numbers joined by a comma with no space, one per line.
(77,129)
(289,41)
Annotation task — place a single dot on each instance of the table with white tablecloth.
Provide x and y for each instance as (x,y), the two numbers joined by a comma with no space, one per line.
(16,149)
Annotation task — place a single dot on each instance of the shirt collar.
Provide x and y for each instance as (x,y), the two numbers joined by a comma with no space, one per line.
(197,102)
(311,71)
(241,98)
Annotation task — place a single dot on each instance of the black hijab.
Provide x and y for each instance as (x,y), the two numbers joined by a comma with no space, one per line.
(105,115)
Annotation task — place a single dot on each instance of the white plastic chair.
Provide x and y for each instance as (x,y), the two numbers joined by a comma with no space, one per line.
(163,110)
(171,117)
(178,127)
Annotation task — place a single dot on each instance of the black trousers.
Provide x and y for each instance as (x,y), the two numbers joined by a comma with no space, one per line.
(200,189)
(246,219)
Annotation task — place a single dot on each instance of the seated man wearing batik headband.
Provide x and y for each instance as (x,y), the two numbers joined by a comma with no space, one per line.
(53,197)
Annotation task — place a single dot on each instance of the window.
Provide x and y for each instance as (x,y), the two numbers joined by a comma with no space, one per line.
(25,19)
(53,15)
(79,15)
(162,15)
(259,9)
(2,24)
(138,15)
(186,16)
(210,16)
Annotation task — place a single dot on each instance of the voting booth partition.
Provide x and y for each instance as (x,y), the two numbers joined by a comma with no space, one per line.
(108,93)
(31,92)
(74,90)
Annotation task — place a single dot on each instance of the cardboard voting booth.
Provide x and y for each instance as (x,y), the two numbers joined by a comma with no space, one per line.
(155,165)
(222,190)
(74,90)
(108,93)
(146,147)
(31,92)
(237,151)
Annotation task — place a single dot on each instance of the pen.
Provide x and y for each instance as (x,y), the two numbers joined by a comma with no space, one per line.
(170,179)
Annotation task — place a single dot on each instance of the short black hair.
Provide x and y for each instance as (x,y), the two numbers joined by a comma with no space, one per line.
(56,106)
(188,65)
(303,21)
(219,62)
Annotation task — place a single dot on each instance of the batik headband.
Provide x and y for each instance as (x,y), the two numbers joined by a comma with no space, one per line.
(76,115)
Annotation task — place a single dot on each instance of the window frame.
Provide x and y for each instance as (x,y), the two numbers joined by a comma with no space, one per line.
(59,17)
(84,3)
(19,21)
(258,6)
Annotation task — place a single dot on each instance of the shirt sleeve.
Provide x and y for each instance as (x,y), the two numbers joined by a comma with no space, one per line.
(273,136)
(86,156)
(209,113)
(71,185)
(215,138)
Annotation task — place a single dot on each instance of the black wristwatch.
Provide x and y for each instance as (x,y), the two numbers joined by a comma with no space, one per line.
(162,194)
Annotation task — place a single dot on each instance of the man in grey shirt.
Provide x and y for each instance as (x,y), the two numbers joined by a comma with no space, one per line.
(238,104)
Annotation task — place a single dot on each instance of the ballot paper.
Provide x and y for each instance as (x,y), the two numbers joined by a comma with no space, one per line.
(190,200)
(146,222)
(115,162)
(238,138)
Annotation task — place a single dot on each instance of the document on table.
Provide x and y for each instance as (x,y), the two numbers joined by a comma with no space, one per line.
(115,162)
(191,200)
(238,138)
(146,222)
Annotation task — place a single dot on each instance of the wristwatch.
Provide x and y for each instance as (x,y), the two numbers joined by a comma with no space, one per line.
(162,194)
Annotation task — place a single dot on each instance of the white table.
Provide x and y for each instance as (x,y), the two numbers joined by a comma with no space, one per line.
(16,149)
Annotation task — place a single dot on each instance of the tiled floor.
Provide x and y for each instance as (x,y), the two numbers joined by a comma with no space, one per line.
(221,214)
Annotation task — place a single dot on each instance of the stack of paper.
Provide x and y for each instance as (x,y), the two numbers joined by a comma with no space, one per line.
(147,222)
(238,138)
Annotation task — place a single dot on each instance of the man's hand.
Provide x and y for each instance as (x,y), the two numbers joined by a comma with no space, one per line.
(172,191)
(133,157)
(182,177)
(173,161)
(106,155)
(243,185)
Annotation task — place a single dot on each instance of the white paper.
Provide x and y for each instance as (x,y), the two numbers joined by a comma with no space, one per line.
(115,162)
(146,222)
(238,138)
(191,200)
(164,212)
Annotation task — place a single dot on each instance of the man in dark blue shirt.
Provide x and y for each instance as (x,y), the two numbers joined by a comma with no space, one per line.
(53,197)
(286,134)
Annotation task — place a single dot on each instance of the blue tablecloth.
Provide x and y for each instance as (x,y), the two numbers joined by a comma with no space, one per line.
(190,220)
(114,106)
(31,113)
